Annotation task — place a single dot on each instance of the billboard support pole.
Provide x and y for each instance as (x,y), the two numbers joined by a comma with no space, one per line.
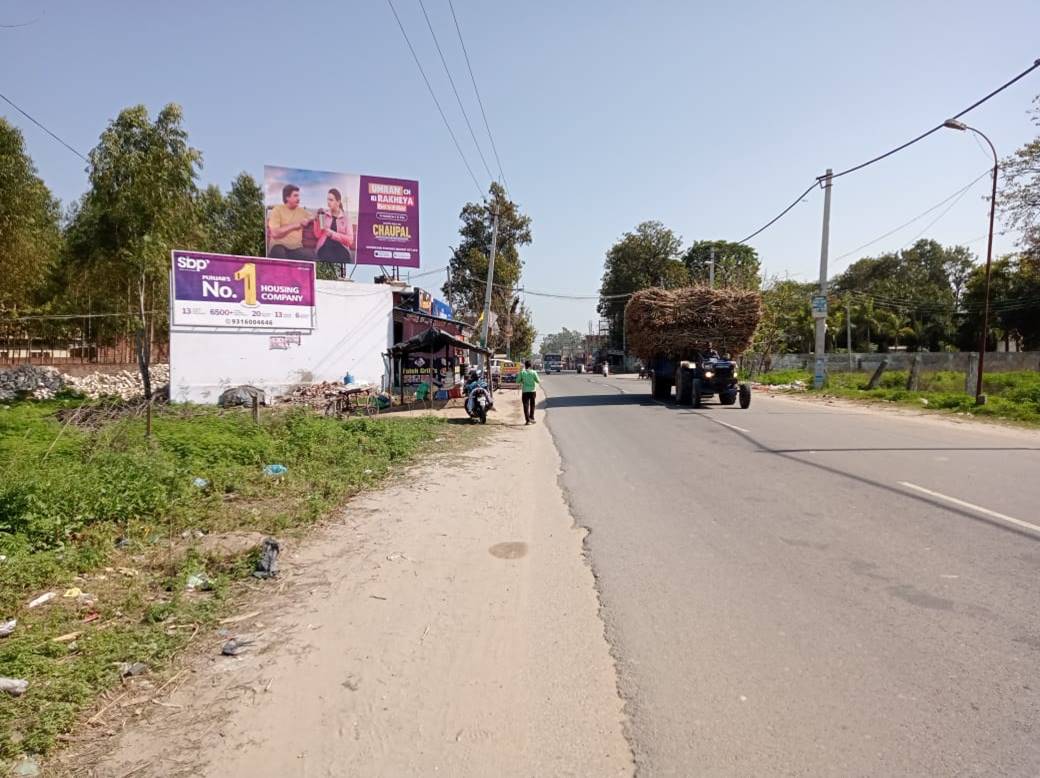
(490,281)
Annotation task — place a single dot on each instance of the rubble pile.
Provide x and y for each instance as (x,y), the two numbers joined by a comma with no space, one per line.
(126,384)
(317,396)
(42,383)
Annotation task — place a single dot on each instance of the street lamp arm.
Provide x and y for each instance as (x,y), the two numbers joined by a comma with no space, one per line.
(981,134)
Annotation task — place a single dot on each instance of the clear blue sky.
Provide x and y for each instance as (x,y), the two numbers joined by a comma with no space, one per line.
(707,116)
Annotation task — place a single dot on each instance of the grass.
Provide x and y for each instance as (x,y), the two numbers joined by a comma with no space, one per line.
(1012,396)
(105,510)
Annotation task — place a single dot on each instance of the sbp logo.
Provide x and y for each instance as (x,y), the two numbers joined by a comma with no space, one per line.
(191,263)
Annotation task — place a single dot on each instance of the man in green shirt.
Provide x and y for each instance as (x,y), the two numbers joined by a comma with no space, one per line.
(528,380)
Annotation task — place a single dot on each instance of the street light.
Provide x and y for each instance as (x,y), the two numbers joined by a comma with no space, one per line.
(954,124)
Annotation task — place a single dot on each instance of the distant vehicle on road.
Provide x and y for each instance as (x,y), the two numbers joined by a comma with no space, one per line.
(553,363)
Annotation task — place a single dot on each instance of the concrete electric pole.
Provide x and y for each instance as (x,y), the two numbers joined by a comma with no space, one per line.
(819,308)
(711,269)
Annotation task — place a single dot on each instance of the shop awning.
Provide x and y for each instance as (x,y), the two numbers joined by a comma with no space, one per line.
(431,341)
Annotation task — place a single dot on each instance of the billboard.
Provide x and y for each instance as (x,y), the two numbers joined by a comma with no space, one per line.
(220,290)
(343,218)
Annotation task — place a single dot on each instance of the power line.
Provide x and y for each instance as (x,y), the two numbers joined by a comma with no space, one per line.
(939,126)
(38,124)
(72,316)
(451,81)
(921,215)
(922,136)
(435,100)
(936,220)
(480,102)
(780,215)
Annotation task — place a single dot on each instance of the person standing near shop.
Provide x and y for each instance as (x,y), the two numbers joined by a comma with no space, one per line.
(528,379)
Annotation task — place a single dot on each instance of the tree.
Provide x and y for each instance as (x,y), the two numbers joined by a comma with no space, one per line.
(566,343)
(1014,312)
(647,257)
(30,233)
(736,264)
(786,325)
(920,285)
(142,203)
(1019,196)
(522,334)
(234,223)
(469,261)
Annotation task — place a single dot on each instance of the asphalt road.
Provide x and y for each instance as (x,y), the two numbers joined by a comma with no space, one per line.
(804,589)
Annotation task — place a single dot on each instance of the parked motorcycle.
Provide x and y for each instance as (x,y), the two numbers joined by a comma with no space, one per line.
(478,399)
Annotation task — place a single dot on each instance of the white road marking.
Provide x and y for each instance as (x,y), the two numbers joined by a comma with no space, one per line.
(973,506)
(724,424)
(731,426)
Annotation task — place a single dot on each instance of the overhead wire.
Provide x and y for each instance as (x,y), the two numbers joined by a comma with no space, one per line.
(436,102)
(39,124)
(454,89)
(936,220)
(936,128)
(480,102)
(921,215)
(890,152)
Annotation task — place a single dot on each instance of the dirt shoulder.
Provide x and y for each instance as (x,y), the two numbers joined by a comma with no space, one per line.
(447,623)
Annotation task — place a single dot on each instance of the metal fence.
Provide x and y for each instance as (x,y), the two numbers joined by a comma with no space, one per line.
(65,340)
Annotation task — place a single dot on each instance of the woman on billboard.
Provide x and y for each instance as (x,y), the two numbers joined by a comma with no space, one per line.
(334,231)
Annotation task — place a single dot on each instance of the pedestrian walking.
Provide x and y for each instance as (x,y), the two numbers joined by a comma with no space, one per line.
(528,379)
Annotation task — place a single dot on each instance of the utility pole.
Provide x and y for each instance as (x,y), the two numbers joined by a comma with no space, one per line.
(848,331)
(490,283)
(711,269)
(820,305)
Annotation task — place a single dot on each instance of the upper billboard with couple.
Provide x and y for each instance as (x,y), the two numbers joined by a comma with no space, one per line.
(341,218)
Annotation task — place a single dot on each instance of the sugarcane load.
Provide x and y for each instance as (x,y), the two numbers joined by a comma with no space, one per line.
(691,337)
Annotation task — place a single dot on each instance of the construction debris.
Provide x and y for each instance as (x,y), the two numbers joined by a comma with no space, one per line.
(43,383)
(676,322)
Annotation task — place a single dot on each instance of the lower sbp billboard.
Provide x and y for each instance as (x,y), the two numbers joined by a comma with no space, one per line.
(221,290)
(343,218)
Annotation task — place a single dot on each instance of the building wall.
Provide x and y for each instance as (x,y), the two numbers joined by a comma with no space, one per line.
(353,331)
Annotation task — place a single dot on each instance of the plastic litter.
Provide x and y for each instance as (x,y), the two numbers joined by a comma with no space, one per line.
(73,592)
(200,483)
(16,687)
(43,598)
(122,542)
(267,564)
(130,669)
(275,470)
(27,766)
(7,627)
(235,646)
(198,582)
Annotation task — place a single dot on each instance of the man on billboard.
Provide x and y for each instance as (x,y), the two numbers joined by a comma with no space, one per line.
(285,226)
